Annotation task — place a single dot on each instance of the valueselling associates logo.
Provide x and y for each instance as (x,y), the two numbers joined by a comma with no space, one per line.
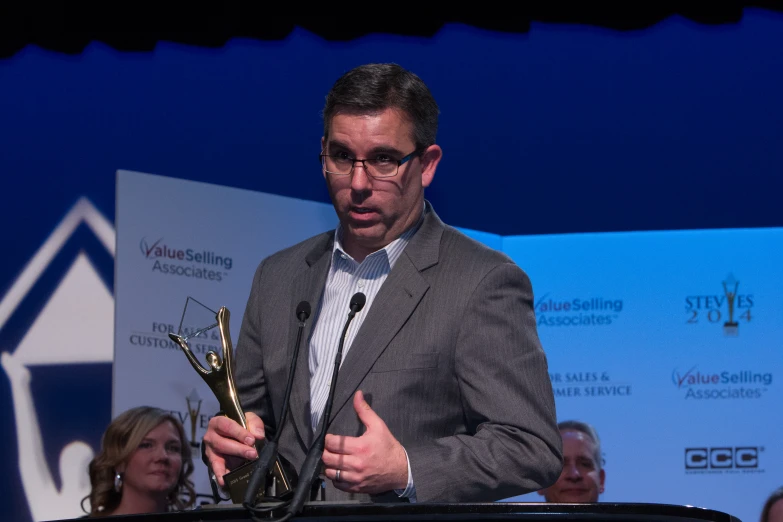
(724,459)
(727,307)
(588,311)
(186,262)
(700,384)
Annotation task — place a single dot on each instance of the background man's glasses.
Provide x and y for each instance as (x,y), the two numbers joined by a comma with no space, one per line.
(383,166)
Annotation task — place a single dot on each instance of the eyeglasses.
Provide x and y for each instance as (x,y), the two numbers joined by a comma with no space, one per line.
(383,166)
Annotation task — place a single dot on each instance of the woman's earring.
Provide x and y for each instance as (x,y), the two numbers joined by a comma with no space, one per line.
(117,482)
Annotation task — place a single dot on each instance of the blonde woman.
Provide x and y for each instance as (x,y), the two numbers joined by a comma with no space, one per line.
(144,466)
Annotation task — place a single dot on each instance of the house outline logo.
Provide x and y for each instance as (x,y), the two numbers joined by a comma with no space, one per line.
(81,283)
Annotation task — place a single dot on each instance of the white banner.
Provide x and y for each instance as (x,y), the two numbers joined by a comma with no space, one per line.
(667,342)
(179,239)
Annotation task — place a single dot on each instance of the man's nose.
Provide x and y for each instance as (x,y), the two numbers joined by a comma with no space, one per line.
(571,472)
(360,179)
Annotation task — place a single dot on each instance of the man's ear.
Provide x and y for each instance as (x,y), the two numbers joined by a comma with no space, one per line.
(429,163)
(602,478)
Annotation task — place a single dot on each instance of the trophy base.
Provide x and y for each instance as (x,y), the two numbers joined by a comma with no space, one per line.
(236,482)
(731,329)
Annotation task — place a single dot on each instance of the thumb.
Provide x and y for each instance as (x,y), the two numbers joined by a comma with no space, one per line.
(255,425)
(366,414)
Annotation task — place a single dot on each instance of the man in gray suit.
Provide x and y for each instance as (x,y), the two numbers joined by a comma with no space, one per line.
(443,393)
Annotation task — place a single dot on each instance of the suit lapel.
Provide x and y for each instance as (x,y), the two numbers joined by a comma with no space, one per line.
(393,305)
(307,286)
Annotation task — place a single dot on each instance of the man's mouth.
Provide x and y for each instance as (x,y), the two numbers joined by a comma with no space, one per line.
(363,214)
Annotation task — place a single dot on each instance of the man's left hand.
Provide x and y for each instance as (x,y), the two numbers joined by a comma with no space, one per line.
(371,464)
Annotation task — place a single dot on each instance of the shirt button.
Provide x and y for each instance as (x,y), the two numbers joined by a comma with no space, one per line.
(343,256)
(361,284)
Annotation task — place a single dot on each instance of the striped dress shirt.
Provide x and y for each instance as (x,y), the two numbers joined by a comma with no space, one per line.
(346,277)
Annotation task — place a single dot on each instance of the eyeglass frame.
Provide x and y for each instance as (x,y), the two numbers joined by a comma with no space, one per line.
(400,162)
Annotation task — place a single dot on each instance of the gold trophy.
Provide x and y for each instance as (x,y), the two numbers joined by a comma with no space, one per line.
(220,379)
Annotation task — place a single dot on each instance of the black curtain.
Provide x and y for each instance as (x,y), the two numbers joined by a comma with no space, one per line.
(70,28)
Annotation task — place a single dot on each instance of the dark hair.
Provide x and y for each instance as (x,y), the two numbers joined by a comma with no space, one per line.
(774,497)
(119,441)
(378,86)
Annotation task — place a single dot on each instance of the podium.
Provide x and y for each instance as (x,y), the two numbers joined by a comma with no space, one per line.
(474,512)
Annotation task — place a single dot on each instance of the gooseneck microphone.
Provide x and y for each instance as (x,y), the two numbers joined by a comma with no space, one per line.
(269,453)
(310,467)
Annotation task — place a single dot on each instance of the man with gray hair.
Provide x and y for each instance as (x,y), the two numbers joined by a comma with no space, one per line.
(583,475)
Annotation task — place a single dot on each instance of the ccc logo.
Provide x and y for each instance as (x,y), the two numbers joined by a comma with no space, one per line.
(722,458)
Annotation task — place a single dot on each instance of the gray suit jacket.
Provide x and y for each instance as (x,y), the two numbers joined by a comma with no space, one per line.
(448,356)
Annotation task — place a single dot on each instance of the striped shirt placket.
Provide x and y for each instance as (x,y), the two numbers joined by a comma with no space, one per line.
(346,277)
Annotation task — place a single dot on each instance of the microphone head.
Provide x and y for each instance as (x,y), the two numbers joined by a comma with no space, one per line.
(303,310)
(357,301)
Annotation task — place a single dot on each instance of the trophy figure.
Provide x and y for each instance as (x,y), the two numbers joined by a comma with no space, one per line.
(194,408)
(220,379)
(730,327)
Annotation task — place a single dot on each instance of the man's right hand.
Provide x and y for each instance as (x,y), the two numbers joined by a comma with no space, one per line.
(228,445)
